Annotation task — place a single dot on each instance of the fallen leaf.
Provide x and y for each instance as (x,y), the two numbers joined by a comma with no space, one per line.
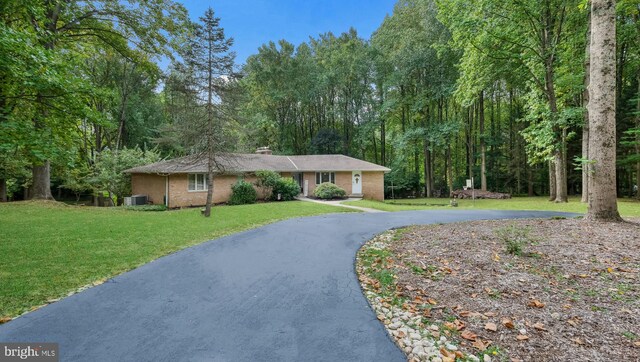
(573,322)
(583,276)
(479,345)
(459,354)
(636,343)
(490,314)
(465,313)
(469,335)
(446,353)
(459,324)
(450,325)
(508,323)
(432,301)
(496,257)
(400,334)
(474,295)
(539,326)
(491,327)
(578,341)
(5,320)
(522,337)
(536,303)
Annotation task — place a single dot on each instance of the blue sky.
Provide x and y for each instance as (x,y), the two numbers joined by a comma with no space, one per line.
(255,22)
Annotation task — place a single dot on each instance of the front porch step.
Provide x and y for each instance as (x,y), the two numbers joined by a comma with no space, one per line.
(356,196)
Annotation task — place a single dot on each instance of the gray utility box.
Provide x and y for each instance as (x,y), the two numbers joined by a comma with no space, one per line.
(135,200)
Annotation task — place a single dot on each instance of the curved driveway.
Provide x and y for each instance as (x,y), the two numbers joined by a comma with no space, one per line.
(283,292)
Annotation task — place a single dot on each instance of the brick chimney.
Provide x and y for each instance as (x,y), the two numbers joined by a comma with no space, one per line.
(264,151)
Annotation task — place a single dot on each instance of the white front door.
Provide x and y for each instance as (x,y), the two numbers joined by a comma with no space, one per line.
(356,183)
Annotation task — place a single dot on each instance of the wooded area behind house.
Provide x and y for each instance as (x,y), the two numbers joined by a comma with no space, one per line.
(443,91)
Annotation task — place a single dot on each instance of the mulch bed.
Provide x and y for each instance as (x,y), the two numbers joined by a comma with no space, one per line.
(573,293)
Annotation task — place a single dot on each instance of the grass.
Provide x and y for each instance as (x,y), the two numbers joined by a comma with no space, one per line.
(627,207)
(50,249)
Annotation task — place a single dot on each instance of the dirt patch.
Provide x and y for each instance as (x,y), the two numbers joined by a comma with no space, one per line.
(573,293)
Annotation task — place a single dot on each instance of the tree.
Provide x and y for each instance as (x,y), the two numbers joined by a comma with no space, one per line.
(602,113)
(108,171)
(209,64)
(63,31)
(531,39)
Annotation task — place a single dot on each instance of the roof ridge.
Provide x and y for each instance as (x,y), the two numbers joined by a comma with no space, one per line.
(293,163)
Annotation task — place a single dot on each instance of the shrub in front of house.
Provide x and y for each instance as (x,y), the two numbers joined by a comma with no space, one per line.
(266,181)
(328,191)
(243,193)
(287,188)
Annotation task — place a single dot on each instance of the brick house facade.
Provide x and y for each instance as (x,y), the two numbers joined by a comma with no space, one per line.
(181,182)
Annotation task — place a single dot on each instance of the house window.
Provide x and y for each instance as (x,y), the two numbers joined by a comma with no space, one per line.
(198,182)
(325,177)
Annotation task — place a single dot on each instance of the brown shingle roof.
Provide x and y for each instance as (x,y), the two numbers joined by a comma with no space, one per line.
(239,163)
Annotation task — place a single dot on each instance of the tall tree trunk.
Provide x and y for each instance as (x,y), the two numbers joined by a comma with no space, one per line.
(449,170)
(209,132)
(3,190)
(530,191)
(552,181)
(548,42)
(41,189)
(638,141)
(602,113)
(210,175)
(427,170)
(483,146)
(470,158)
(585,127)
(383,144)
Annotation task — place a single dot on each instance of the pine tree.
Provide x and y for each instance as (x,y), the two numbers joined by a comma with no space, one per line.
(209,62)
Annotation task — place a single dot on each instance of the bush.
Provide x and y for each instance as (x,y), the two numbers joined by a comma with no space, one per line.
(328,191)
(243,193)
(267,180)
(287,188)
(515,238)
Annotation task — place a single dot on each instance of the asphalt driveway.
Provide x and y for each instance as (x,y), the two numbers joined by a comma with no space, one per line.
(283,292)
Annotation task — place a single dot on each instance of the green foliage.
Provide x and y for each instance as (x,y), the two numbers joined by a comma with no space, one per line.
(109,166)
(286,188)
(401,183)
(326,142)
(328,191)
(78,180)
(243,193)
(515,238)
(272,185)
(267,180)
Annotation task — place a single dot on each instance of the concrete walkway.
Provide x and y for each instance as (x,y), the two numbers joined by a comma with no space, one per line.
(339,203)
(283,292)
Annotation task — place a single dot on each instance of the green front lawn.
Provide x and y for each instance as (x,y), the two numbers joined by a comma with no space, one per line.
(627,207)
(49,249)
